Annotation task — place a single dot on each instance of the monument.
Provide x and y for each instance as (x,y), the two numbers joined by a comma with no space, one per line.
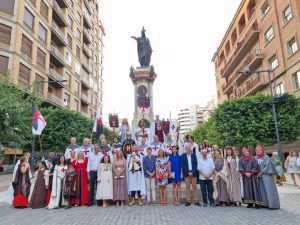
(143,78)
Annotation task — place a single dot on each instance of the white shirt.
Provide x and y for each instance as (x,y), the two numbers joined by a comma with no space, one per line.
(94,161)
(298,161)
(189,158)
(207,166)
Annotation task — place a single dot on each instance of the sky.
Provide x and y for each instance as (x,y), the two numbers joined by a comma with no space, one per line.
(184,35)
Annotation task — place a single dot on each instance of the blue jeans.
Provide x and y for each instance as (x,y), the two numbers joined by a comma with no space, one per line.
(207,191)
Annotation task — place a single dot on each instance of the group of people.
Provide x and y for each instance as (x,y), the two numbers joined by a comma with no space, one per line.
(126,172)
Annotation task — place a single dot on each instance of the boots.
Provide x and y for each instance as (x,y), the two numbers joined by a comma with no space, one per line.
(132,201)
(140,201)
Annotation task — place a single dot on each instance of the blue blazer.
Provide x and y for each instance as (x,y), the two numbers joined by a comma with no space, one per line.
(185,165)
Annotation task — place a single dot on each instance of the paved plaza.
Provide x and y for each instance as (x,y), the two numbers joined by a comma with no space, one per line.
(289,214)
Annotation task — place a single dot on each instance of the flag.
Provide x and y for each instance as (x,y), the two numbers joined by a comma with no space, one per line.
(98,125)
(38,121)
(173,127)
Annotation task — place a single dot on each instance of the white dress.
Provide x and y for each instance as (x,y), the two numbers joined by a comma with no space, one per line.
(105,182)
(57,192)
(292,165)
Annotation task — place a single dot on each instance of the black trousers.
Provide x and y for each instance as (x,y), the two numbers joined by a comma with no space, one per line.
(93,185)
(207,190)
(133,194)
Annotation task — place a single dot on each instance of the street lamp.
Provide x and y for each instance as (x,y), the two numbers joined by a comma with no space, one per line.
(247,71)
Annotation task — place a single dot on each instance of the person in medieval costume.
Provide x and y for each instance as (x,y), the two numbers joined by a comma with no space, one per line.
(70,185)
(159,129)
(135,177)
(72,146)
(50,162)
(168,144)
(249,169)
(86,148)
(266,181)
(124,129)
(143,147)
(156,145)
(142,133)
(57,193)
(127,145)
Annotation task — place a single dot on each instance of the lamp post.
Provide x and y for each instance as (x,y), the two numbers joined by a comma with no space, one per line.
(247,71)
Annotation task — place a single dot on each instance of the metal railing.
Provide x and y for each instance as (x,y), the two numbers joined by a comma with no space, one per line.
(58,9)
(58,31)
(56,100)
(55,51)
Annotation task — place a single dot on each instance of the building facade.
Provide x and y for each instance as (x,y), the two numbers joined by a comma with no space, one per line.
(189,118)
(55,40)
(209,108)
(263,34)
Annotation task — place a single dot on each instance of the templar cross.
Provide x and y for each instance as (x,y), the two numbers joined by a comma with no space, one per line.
(155,148)
(86,151)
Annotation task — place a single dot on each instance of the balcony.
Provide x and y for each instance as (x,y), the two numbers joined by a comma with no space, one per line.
(55,100)
(84,99)
(58,15)
(88,7)
(252,60)
(87,51)
(87,38)
(86,64)
(56,57)
(53,75)
(87,19)
(57,36)
(62,3)
(85,79)
(253,86)
(241,50)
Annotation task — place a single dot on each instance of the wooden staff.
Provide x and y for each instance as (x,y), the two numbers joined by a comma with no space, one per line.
(40,140)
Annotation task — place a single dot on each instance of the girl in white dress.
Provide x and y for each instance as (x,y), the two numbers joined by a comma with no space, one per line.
(291,166)
(105,181)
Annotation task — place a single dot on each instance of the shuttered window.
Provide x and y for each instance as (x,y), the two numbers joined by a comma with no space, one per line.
(28,18)
(5,34)
(40,83)
(26,46)
(77,52)
(3,64)
(41,57)
(44,10)
(7,6)
(24,75)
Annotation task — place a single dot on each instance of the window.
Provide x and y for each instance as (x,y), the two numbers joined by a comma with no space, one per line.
(78,17)
(76,87)
(68,59)
(42,33)
(279,90)
(70,21)
(66,100)
(70,3)
(41,57)
(26,46)
(292,46)
(77,52)
(68,78)
(44,10)
(28,18)
(273,62)
(76,104)
(3,64)
(269,35)
(5,34)
(265,8)
(78,34)
(77,68)
(24,75)
(287,14)
(296,78)
(7,6)
(69,40)
(40,83)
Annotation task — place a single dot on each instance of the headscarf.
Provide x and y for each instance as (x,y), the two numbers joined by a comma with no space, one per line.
(259,156)
(246,158)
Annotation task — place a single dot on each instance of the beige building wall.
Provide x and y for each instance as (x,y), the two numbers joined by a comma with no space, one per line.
(71,48)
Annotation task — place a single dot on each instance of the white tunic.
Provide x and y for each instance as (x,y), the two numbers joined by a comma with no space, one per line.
(105,182)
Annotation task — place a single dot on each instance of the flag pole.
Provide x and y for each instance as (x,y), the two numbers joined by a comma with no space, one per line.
(41,144)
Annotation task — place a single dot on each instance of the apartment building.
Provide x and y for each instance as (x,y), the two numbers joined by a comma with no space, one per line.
(189,118)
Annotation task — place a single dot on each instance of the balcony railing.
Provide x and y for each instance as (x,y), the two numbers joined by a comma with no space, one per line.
(84,98)
(85,78)
(87,38)
(60,37)
(87,50)
(87,19)
(56,100)
(58,14)
(58,56)
(253,85)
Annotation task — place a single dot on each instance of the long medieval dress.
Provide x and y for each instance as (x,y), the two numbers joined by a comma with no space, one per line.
(220,182)
(38,196)
(120,183)
(21,185)
(82,192)
(105,182)
(233,178)
(252,194)
(267,184)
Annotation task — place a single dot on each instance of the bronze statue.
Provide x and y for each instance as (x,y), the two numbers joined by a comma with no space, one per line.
(144,49)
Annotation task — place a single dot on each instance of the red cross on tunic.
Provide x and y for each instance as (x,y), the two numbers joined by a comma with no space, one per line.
(155,148)
(86,151)
(63,170)
(169,147)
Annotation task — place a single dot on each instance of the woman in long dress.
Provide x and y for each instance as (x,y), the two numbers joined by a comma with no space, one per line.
(82,188)
(291,166)
(105,181)
(231,164)
(21,184)
(124,129)
(120,180)
(38,197)
(162,175)
(57,194)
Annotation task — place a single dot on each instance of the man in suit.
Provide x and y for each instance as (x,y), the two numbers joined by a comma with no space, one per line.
(189,168)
